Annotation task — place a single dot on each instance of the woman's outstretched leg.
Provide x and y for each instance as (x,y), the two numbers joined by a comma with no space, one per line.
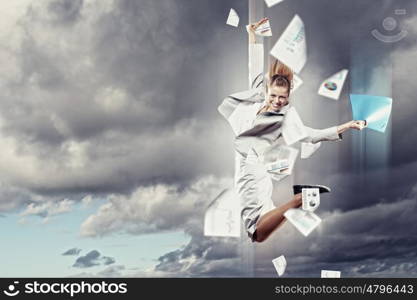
(270,221)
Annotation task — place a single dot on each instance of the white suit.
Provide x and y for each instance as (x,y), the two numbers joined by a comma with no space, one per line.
(257,134)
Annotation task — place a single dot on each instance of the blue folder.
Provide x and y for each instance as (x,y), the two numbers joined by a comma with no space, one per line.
(376,110)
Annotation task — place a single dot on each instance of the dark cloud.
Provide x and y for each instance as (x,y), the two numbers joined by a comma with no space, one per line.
(91,95)
(92,259)
(66,11)
(153,209)
(72,251)
(13,198)
(108,260)
(47,209)
(203,257)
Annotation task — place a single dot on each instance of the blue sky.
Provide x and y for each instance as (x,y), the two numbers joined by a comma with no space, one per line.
(34,248)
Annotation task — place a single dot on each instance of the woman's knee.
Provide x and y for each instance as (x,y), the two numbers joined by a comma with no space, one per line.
(258,238)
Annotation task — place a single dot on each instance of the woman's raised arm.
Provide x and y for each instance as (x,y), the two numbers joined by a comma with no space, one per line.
(256,56)
(251,28)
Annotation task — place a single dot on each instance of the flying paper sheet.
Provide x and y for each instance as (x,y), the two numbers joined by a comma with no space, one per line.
(291,48)
(280,263)
(296,83)
(290,155)
(304,221)
(332,86)
(264,29)
(278,166)
(376,110)
(222,217)
(293,128)
(277,153)
(330,274)
(271,3)
(233,18)
(308,149)
(310,199)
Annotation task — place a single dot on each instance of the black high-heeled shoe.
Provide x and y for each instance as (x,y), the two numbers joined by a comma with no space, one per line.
(299,187)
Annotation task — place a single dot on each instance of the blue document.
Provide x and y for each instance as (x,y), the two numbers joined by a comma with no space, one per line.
(376,110)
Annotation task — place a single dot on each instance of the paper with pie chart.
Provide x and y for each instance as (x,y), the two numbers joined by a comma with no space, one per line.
(376,110)
(332,86)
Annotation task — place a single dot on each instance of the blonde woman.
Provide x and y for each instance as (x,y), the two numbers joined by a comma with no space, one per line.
(256,117)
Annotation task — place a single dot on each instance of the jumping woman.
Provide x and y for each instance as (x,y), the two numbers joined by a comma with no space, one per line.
(256,117)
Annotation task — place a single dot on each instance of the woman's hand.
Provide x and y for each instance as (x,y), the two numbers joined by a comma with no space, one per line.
(358,125)
(251,28)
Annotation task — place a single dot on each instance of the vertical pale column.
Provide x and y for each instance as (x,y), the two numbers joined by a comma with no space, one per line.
(372,75)
(248,255)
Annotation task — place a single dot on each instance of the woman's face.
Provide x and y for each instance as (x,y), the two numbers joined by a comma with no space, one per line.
(277,98)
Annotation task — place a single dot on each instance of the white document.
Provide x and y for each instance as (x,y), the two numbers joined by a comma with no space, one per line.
(222,217)
(291,48)
(233,18)
(332,86)
(308,149)
(304,221)
(278,166)
(310,199)
(297,82)
(330,274)
(293,128)
(276,153)
(271,3)
(264,29)
(280,264)
(290,155)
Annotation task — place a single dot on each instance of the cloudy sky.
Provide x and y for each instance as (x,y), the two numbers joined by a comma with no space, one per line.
(112,146)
